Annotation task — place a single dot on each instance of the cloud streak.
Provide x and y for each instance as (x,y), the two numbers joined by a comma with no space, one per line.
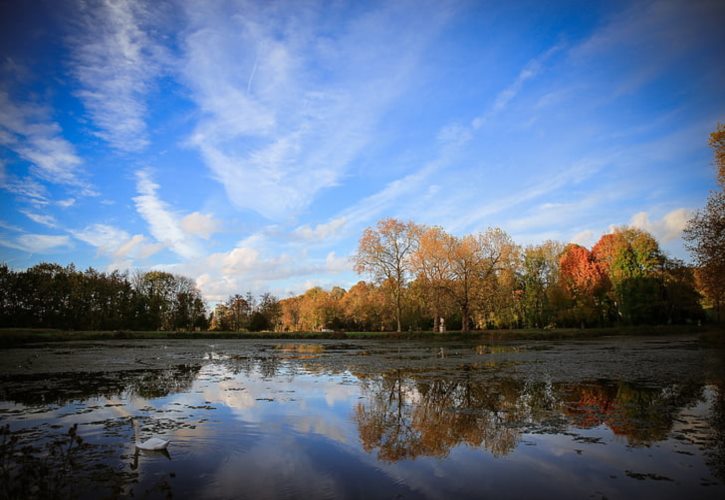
(274,131)
(115,61)
(163,224)
(28,130)
(37,243)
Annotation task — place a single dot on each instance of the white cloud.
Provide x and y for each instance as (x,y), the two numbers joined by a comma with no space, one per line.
(26,189)
(117,244)
(37,243)
(28,130)
(115,62)
(584,238)
(667,228)
(273,131)
(102,236)
(10,227)
(137,246)
(320,231)
(532,69)
(570,176)
(163,224)
(44,219)
(201,225)
(68,202)
(246,268)
(337,264)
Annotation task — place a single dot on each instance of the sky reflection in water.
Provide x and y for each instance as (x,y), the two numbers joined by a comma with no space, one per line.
(292,420)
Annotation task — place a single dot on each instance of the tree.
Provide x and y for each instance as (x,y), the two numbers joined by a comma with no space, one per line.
(539,276)
(269,307)
(717,143)
(585,282)
(432,264)
(633,262)
(705,233)
(240,310)
(290,313)
(466,262)
(365,309)
(495,296)
(385,253)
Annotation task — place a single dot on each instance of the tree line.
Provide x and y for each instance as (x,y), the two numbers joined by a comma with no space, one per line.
(424,278)
(421,278)
(52,296)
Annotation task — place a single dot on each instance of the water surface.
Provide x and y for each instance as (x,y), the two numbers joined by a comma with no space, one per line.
(611,417)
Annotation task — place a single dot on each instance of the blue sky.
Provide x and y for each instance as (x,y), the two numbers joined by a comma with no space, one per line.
(248,144)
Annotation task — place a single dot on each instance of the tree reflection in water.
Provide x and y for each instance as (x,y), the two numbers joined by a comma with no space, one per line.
(60,389)
(403,417)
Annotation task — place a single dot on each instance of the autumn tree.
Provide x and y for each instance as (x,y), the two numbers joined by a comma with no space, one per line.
(290,314)
(365,308)
(705,233)
(385,252)
(585,282)
(466,262)
(632,260)
(495,290)
(432,265)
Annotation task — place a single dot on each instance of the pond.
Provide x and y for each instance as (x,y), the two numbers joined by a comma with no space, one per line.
(609,417)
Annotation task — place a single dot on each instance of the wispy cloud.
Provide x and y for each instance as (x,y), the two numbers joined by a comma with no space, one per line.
(115,61)
(36,243)
(68,202)
(570,176)
(26,189)
(531,70)
(320,232)
(117,244)
(413,188)
(43,219)
(285,110)
(10,227)
(164,225)
(653,35)
(28,130)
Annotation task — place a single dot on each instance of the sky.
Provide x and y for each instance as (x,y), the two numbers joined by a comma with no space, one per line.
(247,144)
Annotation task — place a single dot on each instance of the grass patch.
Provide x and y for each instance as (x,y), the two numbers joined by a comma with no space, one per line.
(12,337)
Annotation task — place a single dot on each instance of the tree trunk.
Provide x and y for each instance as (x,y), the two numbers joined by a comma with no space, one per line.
(464,319)
(398,309)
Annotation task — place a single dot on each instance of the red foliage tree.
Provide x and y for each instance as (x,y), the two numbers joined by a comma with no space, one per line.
(585,281)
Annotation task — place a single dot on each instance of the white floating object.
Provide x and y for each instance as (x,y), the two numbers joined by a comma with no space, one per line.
(153,444)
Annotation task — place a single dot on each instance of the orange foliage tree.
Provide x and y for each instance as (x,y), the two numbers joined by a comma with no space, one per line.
(585,283)
(385,252)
